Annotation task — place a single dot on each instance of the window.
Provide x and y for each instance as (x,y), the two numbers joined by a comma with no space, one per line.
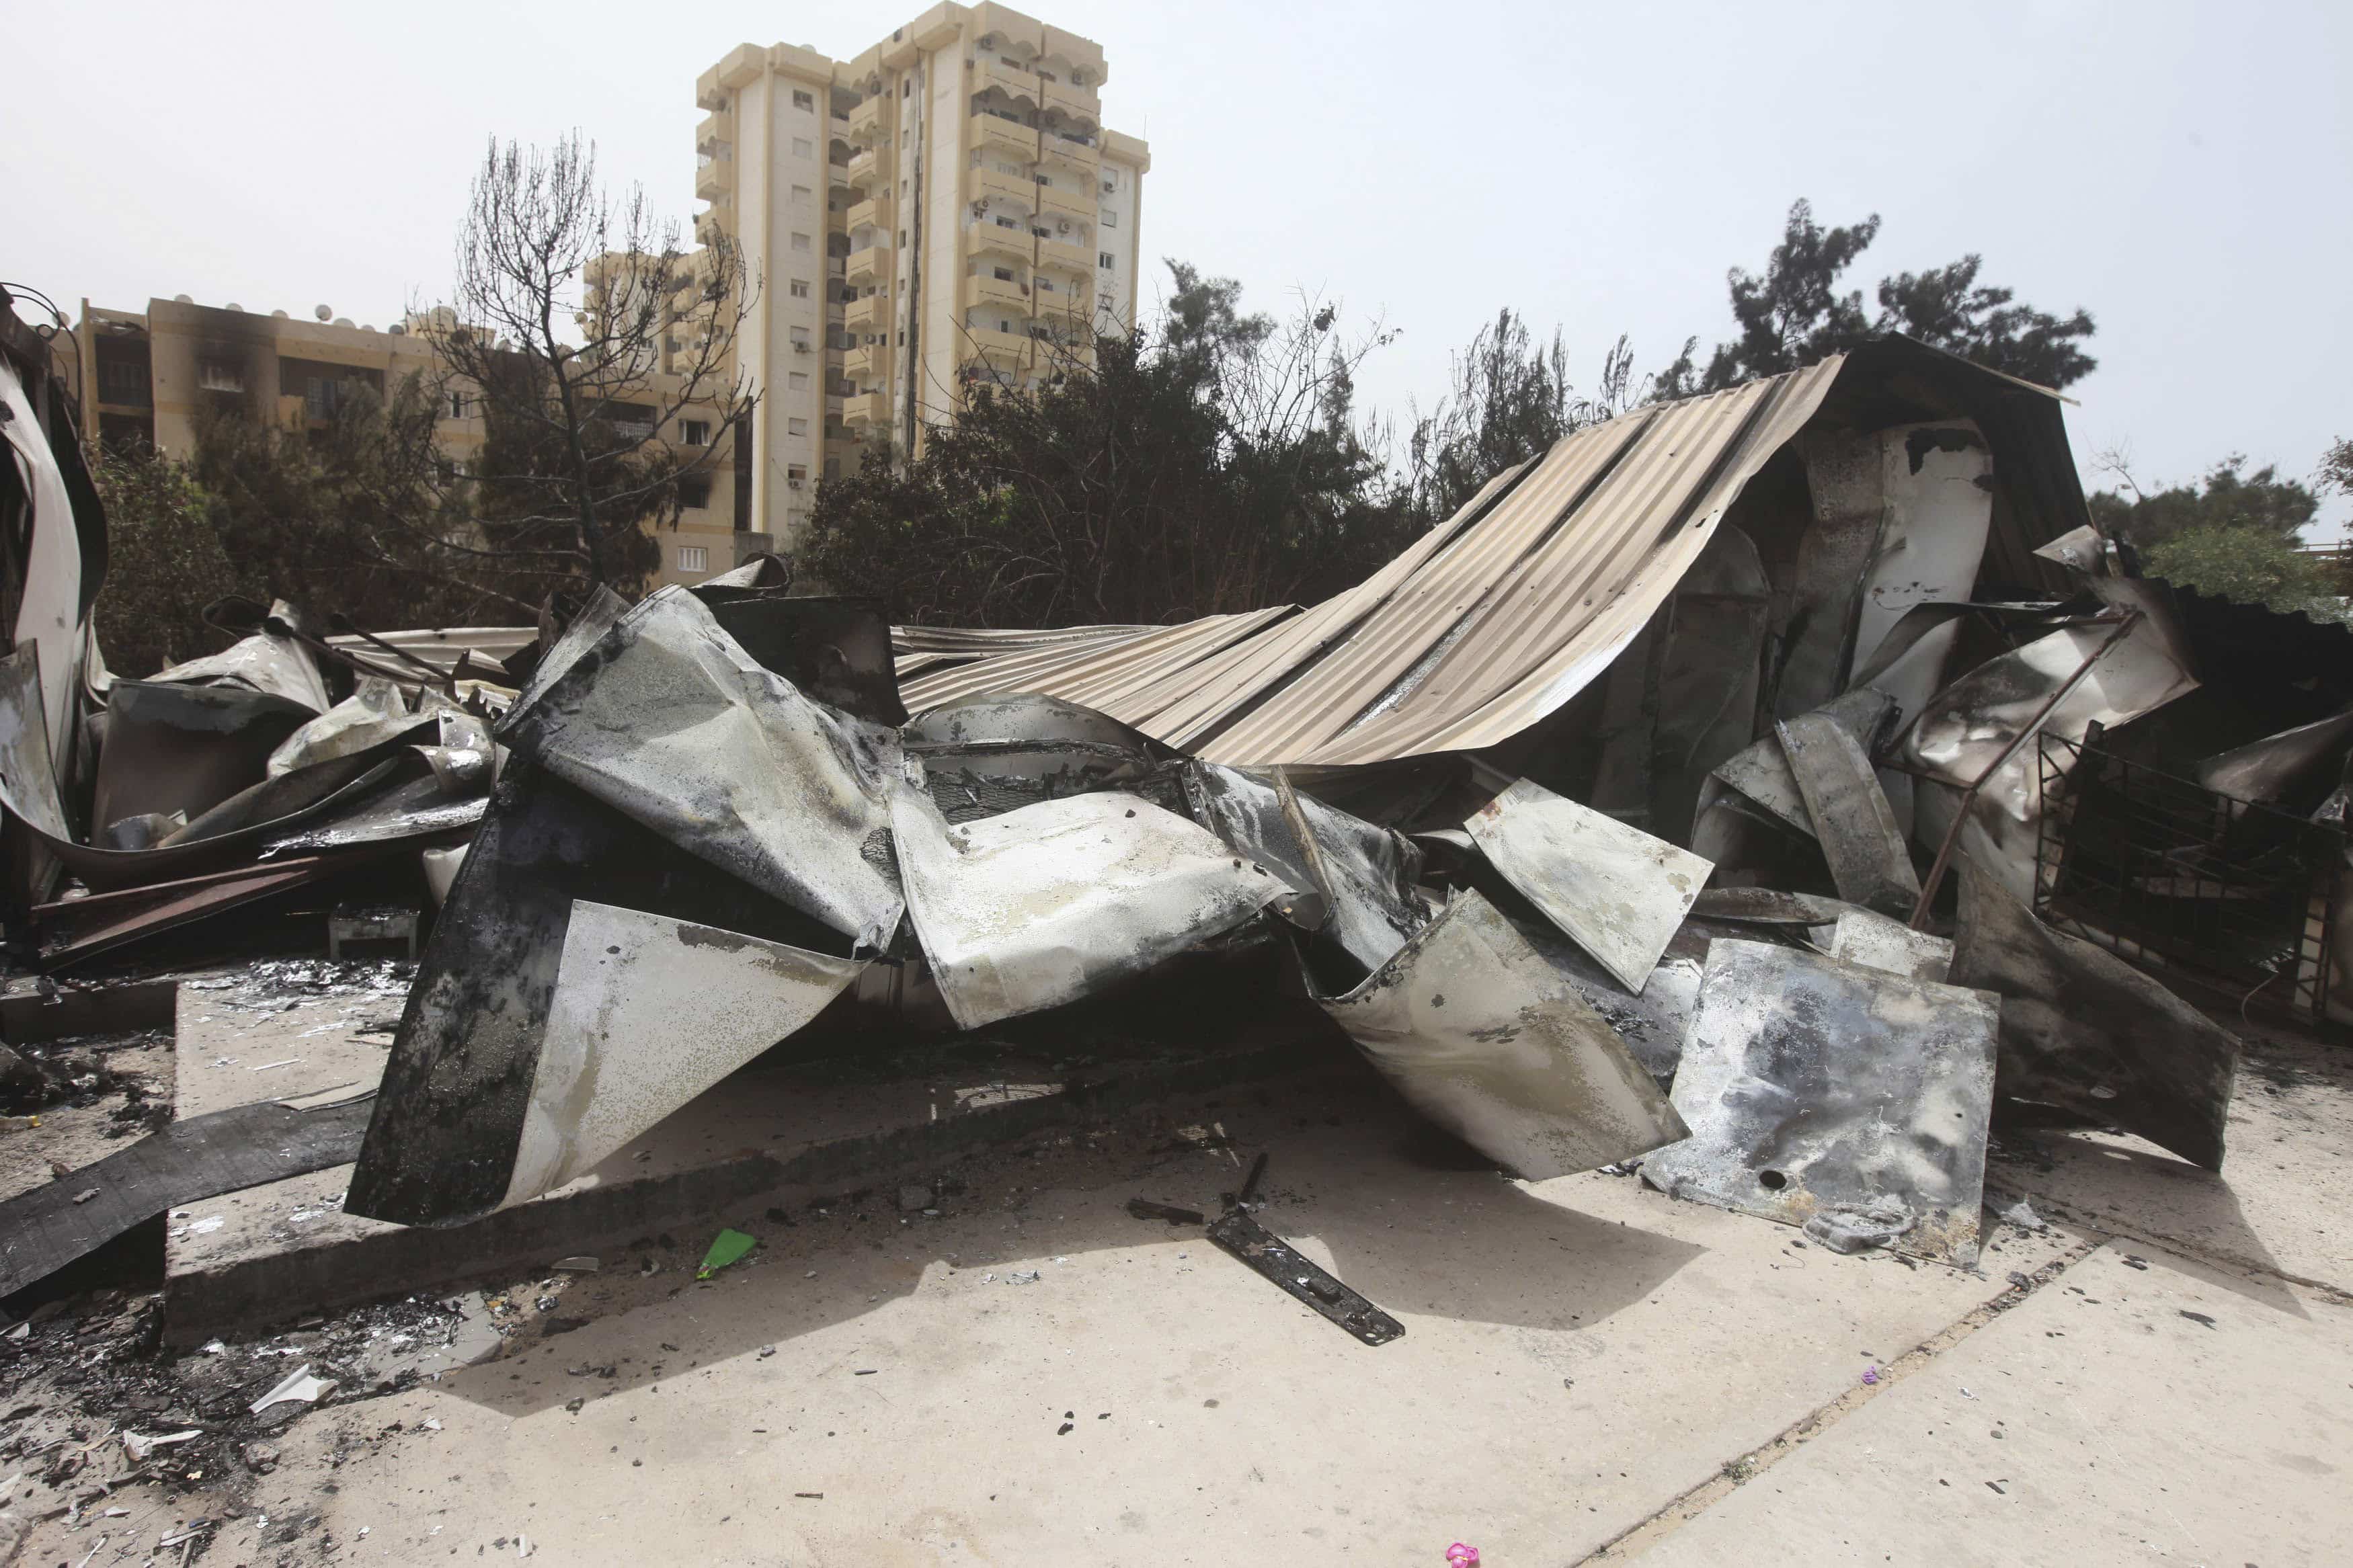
(797,381)
(803,196)
(1004,326)
(1110,185)
(1004,274)
(695,492)
(906,86)
(692,558)
(1106,303)
(800,288)
(800,100)
(797,473)
(800,242)
(1102,258)
(804,148)
(694,432)
(214,375)
(1007,223)
(902,238)
(1111,220)
(457,406)
(796,426)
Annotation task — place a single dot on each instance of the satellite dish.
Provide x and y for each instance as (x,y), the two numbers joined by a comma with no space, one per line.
(182,300)
(325,312)
(233,305)
(397,331)
(278,316)
(343,320)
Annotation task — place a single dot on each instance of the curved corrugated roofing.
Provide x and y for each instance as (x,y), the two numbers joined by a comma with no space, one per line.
(1482,627)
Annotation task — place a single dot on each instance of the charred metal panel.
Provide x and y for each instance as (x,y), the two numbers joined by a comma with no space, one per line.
(1710,675)
(1816,1091)
(837,651)
(1301,1278)
(1762,773)
(669,722)
(1040,906)
(648,1012)
(2082,1029)
(375,713)
(993,754)
(266,662)
(1872,940)
(1615,890)
(441,1148)
(185,748)
(1483,1035)
(1868,863)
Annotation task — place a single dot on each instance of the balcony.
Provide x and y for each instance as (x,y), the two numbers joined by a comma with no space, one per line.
(1007,351)
(1011,80)
(712,175)
(866,168)
(990,237)
(868,408)
(1082,102)
(1057,150)
(1061,202)
(712,130)
(866,313)
(996,184)
(860,364)
(997,292)
(993,134)
(866,121)
(872,265)
(1062,257)
(867,214)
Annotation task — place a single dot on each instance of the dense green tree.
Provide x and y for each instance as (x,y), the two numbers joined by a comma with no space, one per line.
(2226,497)
(1208,463)
(1797,312)
(2250,563)
(165,564)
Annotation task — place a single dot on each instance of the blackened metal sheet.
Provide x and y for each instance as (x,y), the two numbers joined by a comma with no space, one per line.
(1868,863)
(441,1148)
(1039,907)
(2267,769)
(1761,773)
(1356,881)
(2082,1029)
(265,662)
(421,808)
(1301,1278)
(1766,906)
(1815,1088)
(650,1012)
(375,713)
(996,753)
(1483,1035)
(223,1151)
(1869,940)
(56,579)
(668,719)
(1615,890)
(1652,1021)
(837,650)
(185,748)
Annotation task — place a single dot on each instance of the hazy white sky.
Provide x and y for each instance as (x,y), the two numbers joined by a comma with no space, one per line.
(2180,170)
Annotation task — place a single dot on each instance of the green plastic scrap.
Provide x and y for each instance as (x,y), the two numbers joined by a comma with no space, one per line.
(728,1246)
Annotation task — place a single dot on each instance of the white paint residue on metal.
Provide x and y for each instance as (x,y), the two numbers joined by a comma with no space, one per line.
(1483,1035)
(1818,1088)
(1618,893)
(1040,906)
(49,614)
(1936,501)
(648,1013)
(1873,941)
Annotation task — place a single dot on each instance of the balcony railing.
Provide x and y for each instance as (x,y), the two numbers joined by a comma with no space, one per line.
(863,214)
(1065,203)
(866,119)
(865,314)
(869,264)
(1009,294)
(871,408)
(992,133)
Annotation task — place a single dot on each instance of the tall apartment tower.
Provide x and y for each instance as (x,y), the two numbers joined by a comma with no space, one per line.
(944,209)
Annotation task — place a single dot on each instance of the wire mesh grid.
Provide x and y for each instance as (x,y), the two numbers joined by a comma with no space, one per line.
(2232,894)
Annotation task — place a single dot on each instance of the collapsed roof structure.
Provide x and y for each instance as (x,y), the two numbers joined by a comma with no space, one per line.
(1723,786)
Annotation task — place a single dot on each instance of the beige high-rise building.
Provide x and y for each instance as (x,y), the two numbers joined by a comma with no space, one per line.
(944,208)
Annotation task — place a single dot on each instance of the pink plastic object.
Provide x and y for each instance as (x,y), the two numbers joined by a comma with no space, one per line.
(1871,1375)
(1460,1556)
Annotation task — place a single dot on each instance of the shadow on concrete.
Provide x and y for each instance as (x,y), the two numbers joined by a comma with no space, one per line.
(1359,1180)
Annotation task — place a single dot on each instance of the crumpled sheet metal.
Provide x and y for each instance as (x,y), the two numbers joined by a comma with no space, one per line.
(837,650)
(375,712)
(996,753)
(1044,905)
(1853,820)
(1761,773)
(2267,769)
(264,662)
(1615,891)
(1483,1035)
(420,808)
(1354,881)
(1869,940)
(1650,1022)
(50,612)
(669,722)
(1815,1088)
(2084,1030)
(185,748)
(1965,726)
(648,1012)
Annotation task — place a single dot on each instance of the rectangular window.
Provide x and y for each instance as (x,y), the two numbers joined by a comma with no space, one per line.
(695,492)
(457,406)
(804,148)
(804,100)
(694,432)
(796,426)
(797,473)
(800,288)
(1106,303)
(1111,220)
(1004,274)
(212,375)
(1007,223)
(803,194)
(692,558)
(800,242)
(1102,258)
(797,381)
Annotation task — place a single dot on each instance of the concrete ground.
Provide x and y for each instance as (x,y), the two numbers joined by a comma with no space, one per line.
(1590,1372)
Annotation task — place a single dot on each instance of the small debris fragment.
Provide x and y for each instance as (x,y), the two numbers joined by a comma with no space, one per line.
(2198,1317)
(728,1246)
(83,1197)
(1145,1209)
(2139,1263)
(1870,1376)
(2025,1218)
(1461,1556)
(298,1385)
(581,1265)
(139,1447)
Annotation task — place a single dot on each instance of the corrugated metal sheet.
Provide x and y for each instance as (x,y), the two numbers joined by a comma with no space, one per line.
(1500,615)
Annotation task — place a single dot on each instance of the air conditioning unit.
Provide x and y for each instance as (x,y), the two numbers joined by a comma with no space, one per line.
(1063,226)
(801,348)
(795,484)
